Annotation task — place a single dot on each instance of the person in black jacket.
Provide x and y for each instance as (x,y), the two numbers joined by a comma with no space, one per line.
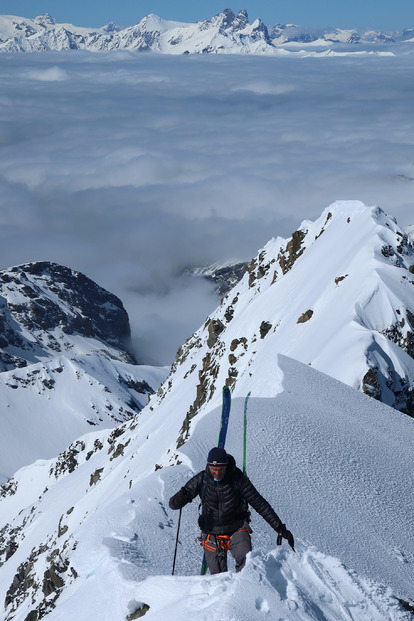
(225,493)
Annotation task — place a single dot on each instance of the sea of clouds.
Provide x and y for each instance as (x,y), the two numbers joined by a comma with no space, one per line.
(131,167)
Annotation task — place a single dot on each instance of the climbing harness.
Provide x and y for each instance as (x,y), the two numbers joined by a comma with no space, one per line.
(218,543)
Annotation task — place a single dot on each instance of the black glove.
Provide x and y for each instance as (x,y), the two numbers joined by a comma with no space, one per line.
(284,533)
(180,499)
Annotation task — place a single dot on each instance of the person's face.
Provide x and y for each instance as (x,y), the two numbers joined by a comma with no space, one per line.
(218,472)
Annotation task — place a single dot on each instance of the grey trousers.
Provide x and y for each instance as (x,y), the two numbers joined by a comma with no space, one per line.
(240,544)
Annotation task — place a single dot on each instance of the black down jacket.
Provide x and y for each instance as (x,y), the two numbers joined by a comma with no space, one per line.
(223,510)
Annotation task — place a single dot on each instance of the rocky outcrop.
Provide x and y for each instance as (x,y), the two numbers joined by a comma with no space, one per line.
(292,252)
(265,327)
(215,328)
(305,316)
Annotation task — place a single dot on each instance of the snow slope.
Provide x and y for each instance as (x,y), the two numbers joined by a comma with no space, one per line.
(274,585)
(332,461)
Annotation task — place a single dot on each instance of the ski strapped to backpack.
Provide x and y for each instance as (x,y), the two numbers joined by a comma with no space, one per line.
(225,414)
(224,422)
(244,502)
(245,431)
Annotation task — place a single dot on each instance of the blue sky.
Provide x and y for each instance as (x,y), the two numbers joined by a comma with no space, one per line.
(382,14)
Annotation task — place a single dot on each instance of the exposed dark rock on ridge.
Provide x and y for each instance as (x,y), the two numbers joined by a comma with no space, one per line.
(43,305)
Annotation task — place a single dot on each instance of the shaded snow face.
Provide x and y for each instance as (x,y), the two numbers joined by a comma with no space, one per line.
(129,168)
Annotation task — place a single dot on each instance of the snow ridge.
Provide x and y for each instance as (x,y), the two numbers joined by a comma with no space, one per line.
(337,295)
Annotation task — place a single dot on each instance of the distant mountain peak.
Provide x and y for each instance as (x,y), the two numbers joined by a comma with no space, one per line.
(224,33)
(111,27)
(223,276)
(223,20)
(45,20)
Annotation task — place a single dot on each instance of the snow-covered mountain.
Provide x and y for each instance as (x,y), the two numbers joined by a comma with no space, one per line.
(290,33)
(64,362)
(90,535)
(338,295)
(225,33)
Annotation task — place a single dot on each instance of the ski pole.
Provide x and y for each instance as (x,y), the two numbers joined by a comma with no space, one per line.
(176,541)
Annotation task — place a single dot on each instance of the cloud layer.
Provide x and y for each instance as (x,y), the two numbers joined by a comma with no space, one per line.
(131,167)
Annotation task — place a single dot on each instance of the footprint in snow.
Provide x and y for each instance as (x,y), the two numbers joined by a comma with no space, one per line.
(275,577)
(400,555)
(205,594)
(262,605)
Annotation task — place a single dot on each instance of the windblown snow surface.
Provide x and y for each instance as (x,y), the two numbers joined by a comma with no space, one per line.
(335,464)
